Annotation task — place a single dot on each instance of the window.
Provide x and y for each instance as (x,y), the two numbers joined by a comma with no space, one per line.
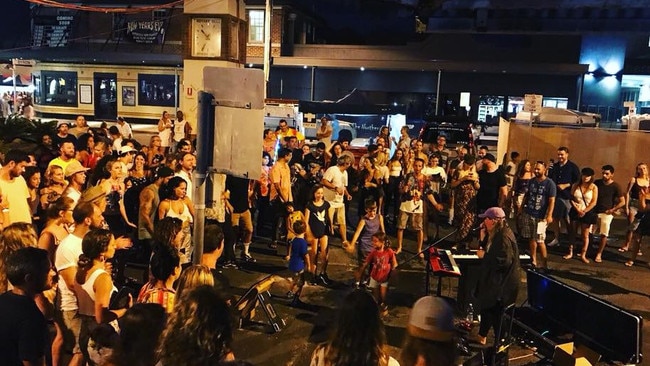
(157,90)
(36,80)
(59,88)
(256,26)
(159,14)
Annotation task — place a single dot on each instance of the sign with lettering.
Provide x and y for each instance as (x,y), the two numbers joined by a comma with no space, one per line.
(533,103)
(51,31)
(149,32)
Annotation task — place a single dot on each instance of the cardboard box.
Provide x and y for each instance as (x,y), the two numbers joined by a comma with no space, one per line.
(567,355)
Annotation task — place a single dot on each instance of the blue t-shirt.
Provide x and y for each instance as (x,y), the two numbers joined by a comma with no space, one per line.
(297,255)
(536,204)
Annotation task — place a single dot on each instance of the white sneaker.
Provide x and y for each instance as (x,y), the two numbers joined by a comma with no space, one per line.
(553,243)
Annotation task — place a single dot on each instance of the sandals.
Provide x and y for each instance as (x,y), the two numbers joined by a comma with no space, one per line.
(584,259)
(629,264)
(598,260)
(623,249)
(568,256)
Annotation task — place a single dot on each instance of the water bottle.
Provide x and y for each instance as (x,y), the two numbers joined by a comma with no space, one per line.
(470,313)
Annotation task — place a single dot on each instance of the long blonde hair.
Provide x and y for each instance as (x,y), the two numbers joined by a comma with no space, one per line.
(13,237)
(192,277)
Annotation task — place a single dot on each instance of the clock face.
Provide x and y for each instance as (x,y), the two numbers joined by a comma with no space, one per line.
(206,37)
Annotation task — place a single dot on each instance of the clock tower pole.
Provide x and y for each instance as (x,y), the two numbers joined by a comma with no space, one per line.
(216,34)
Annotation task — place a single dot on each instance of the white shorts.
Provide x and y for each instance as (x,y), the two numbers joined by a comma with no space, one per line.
(604,222)
(375,284)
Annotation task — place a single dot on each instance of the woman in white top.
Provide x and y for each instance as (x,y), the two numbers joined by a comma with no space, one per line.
(585,196)
(165,127)
(175,203)
(94,286)
(358,338)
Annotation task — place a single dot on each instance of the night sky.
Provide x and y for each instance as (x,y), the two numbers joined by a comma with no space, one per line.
(15,24)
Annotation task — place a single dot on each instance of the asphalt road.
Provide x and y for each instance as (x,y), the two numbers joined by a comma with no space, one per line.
(309,325)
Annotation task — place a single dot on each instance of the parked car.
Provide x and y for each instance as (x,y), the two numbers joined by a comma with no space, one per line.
(457,132)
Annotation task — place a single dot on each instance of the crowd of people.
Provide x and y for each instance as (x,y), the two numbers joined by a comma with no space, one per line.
(87,200)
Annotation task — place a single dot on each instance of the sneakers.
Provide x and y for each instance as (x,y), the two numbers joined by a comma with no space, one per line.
(323,279)
(247,258)
(273,245)
(230,264)
(553,243)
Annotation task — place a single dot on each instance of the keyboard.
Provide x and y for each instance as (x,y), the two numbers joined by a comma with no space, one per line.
(442,263)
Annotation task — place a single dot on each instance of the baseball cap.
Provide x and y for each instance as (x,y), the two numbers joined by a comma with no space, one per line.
(490,157)
(164,172)
(126,149)
(493,213)
(92,194)
(73,168)
(61,123)
(431,318)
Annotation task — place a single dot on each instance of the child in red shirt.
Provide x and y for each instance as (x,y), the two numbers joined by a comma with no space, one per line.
(383,261)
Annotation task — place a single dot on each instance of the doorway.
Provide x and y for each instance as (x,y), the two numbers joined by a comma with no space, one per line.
(105,96)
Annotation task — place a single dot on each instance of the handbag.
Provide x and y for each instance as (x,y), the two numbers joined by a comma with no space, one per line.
(120,299)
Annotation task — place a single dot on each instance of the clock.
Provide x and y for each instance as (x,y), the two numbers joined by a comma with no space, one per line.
(206,37)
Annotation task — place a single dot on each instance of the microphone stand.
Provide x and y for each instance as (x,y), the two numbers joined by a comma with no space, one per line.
(427,260)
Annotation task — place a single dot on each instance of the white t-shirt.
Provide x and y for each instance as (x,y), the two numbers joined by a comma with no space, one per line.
(338,178)
(125,130)
(179,130)
(67,255)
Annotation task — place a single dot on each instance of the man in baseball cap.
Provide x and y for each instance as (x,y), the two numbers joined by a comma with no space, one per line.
(62,134)
(430,333)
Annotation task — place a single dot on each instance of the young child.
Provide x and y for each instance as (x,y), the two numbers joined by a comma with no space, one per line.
(383,261)
(298,261)
(293,216)
(369,224)
(319,217)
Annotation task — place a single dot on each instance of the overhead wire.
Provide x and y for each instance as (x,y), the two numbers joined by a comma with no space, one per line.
(106,9)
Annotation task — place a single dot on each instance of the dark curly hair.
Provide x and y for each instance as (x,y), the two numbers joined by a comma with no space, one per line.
(94,243)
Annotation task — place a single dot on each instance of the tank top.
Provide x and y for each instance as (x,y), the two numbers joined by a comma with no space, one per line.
(635,190)
(521,185)
(179,130)
(86,296)
(371,227)
(583,198)
(113,203)
(184,215)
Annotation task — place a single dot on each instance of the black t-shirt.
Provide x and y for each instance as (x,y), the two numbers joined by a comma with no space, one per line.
(23,330)
(607,195)
(488,193)
(58,140)
(238,188)
(310,158)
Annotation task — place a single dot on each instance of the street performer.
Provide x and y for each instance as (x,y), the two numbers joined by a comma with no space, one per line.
(500,270)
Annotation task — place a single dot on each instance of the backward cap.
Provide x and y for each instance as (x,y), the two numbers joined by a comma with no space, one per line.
(432,318)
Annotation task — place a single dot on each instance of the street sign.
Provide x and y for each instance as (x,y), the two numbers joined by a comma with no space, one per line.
(533,103)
